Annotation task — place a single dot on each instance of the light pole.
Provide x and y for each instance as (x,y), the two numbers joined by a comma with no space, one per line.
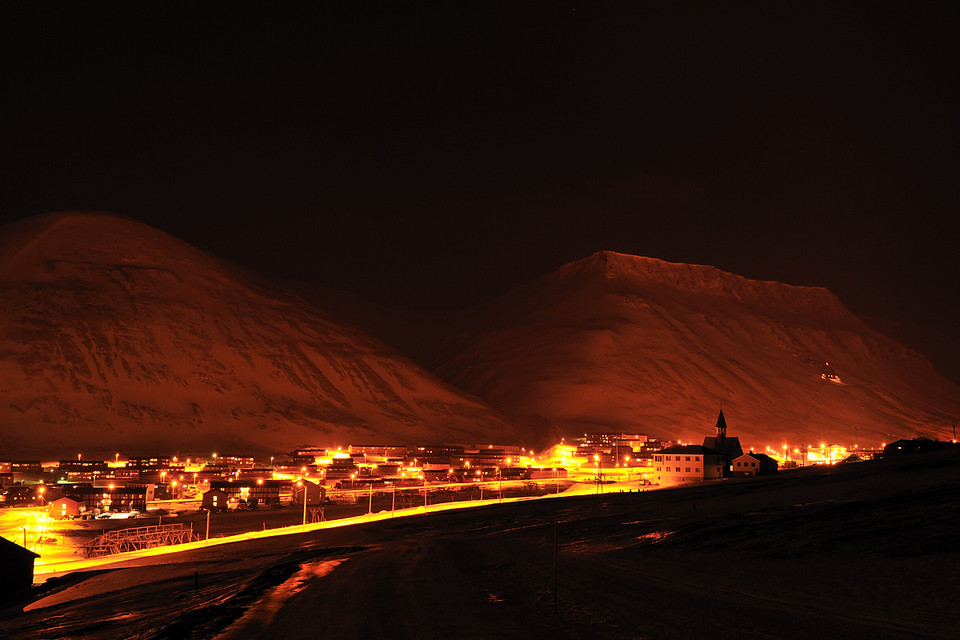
(596,476)
(304,485)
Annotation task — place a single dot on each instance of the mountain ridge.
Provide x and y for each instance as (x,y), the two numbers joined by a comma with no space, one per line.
(623,343)
(122,337)
(114,325)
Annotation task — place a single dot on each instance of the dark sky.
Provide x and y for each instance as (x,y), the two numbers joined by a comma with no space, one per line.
(429,155)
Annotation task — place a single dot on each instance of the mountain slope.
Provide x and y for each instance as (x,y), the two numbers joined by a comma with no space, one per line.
(623,343)
(116,336)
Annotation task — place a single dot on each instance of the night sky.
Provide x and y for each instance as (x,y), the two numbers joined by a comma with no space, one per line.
(428,156)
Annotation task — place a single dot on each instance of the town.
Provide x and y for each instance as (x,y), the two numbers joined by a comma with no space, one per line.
(130,485)
(141,502)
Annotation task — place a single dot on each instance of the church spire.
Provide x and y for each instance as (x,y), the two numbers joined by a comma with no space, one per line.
(721,428)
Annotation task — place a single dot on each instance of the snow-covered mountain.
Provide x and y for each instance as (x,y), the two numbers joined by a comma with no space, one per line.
(115,336)
(616,342)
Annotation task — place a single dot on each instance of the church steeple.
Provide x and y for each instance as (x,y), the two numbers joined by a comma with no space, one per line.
(721,428)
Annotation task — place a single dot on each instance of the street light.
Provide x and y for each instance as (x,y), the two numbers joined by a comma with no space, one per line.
(596,459)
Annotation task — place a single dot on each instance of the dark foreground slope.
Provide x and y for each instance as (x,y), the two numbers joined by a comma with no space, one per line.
(862,551)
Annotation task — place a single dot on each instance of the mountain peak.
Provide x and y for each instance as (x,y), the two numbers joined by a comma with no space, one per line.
(119,337)
(653,278)
(41,248)
(615,342)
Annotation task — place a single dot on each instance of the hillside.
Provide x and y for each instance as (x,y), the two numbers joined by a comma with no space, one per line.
(118,337)
(623,343)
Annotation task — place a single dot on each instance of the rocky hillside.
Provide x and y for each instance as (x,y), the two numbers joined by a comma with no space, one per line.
(622,343)
(117,337)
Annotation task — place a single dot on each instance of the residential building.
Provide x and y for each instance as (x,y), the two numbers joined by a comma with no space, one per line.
(64,508)
(251,490)
(753,464)
(17,562)
(682,464)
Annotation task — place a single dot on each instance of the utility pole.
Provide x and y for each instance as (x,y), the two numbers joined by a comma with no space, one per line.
(208,525)
(370,505)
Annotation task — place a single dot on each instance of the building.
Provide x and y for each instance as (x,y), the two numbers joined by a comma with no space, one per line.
(65,507)
(21,495)
(546,474)
(112,498)
(214,500)
(252,491)
(380,451)
(729,448)
(26,466)
(315,494)
(753,464)
(83,469)
(612,447)
(17,562)
(681,464)
(917,445)
(149,462)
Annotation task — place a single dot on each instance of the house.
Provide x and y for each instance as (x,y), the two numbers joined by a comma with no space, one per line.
(17,562)
(729,448)
(21,495)
(214,500)
(917,445)
(315,494)
(65,507)
(681,464)
(753,464)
